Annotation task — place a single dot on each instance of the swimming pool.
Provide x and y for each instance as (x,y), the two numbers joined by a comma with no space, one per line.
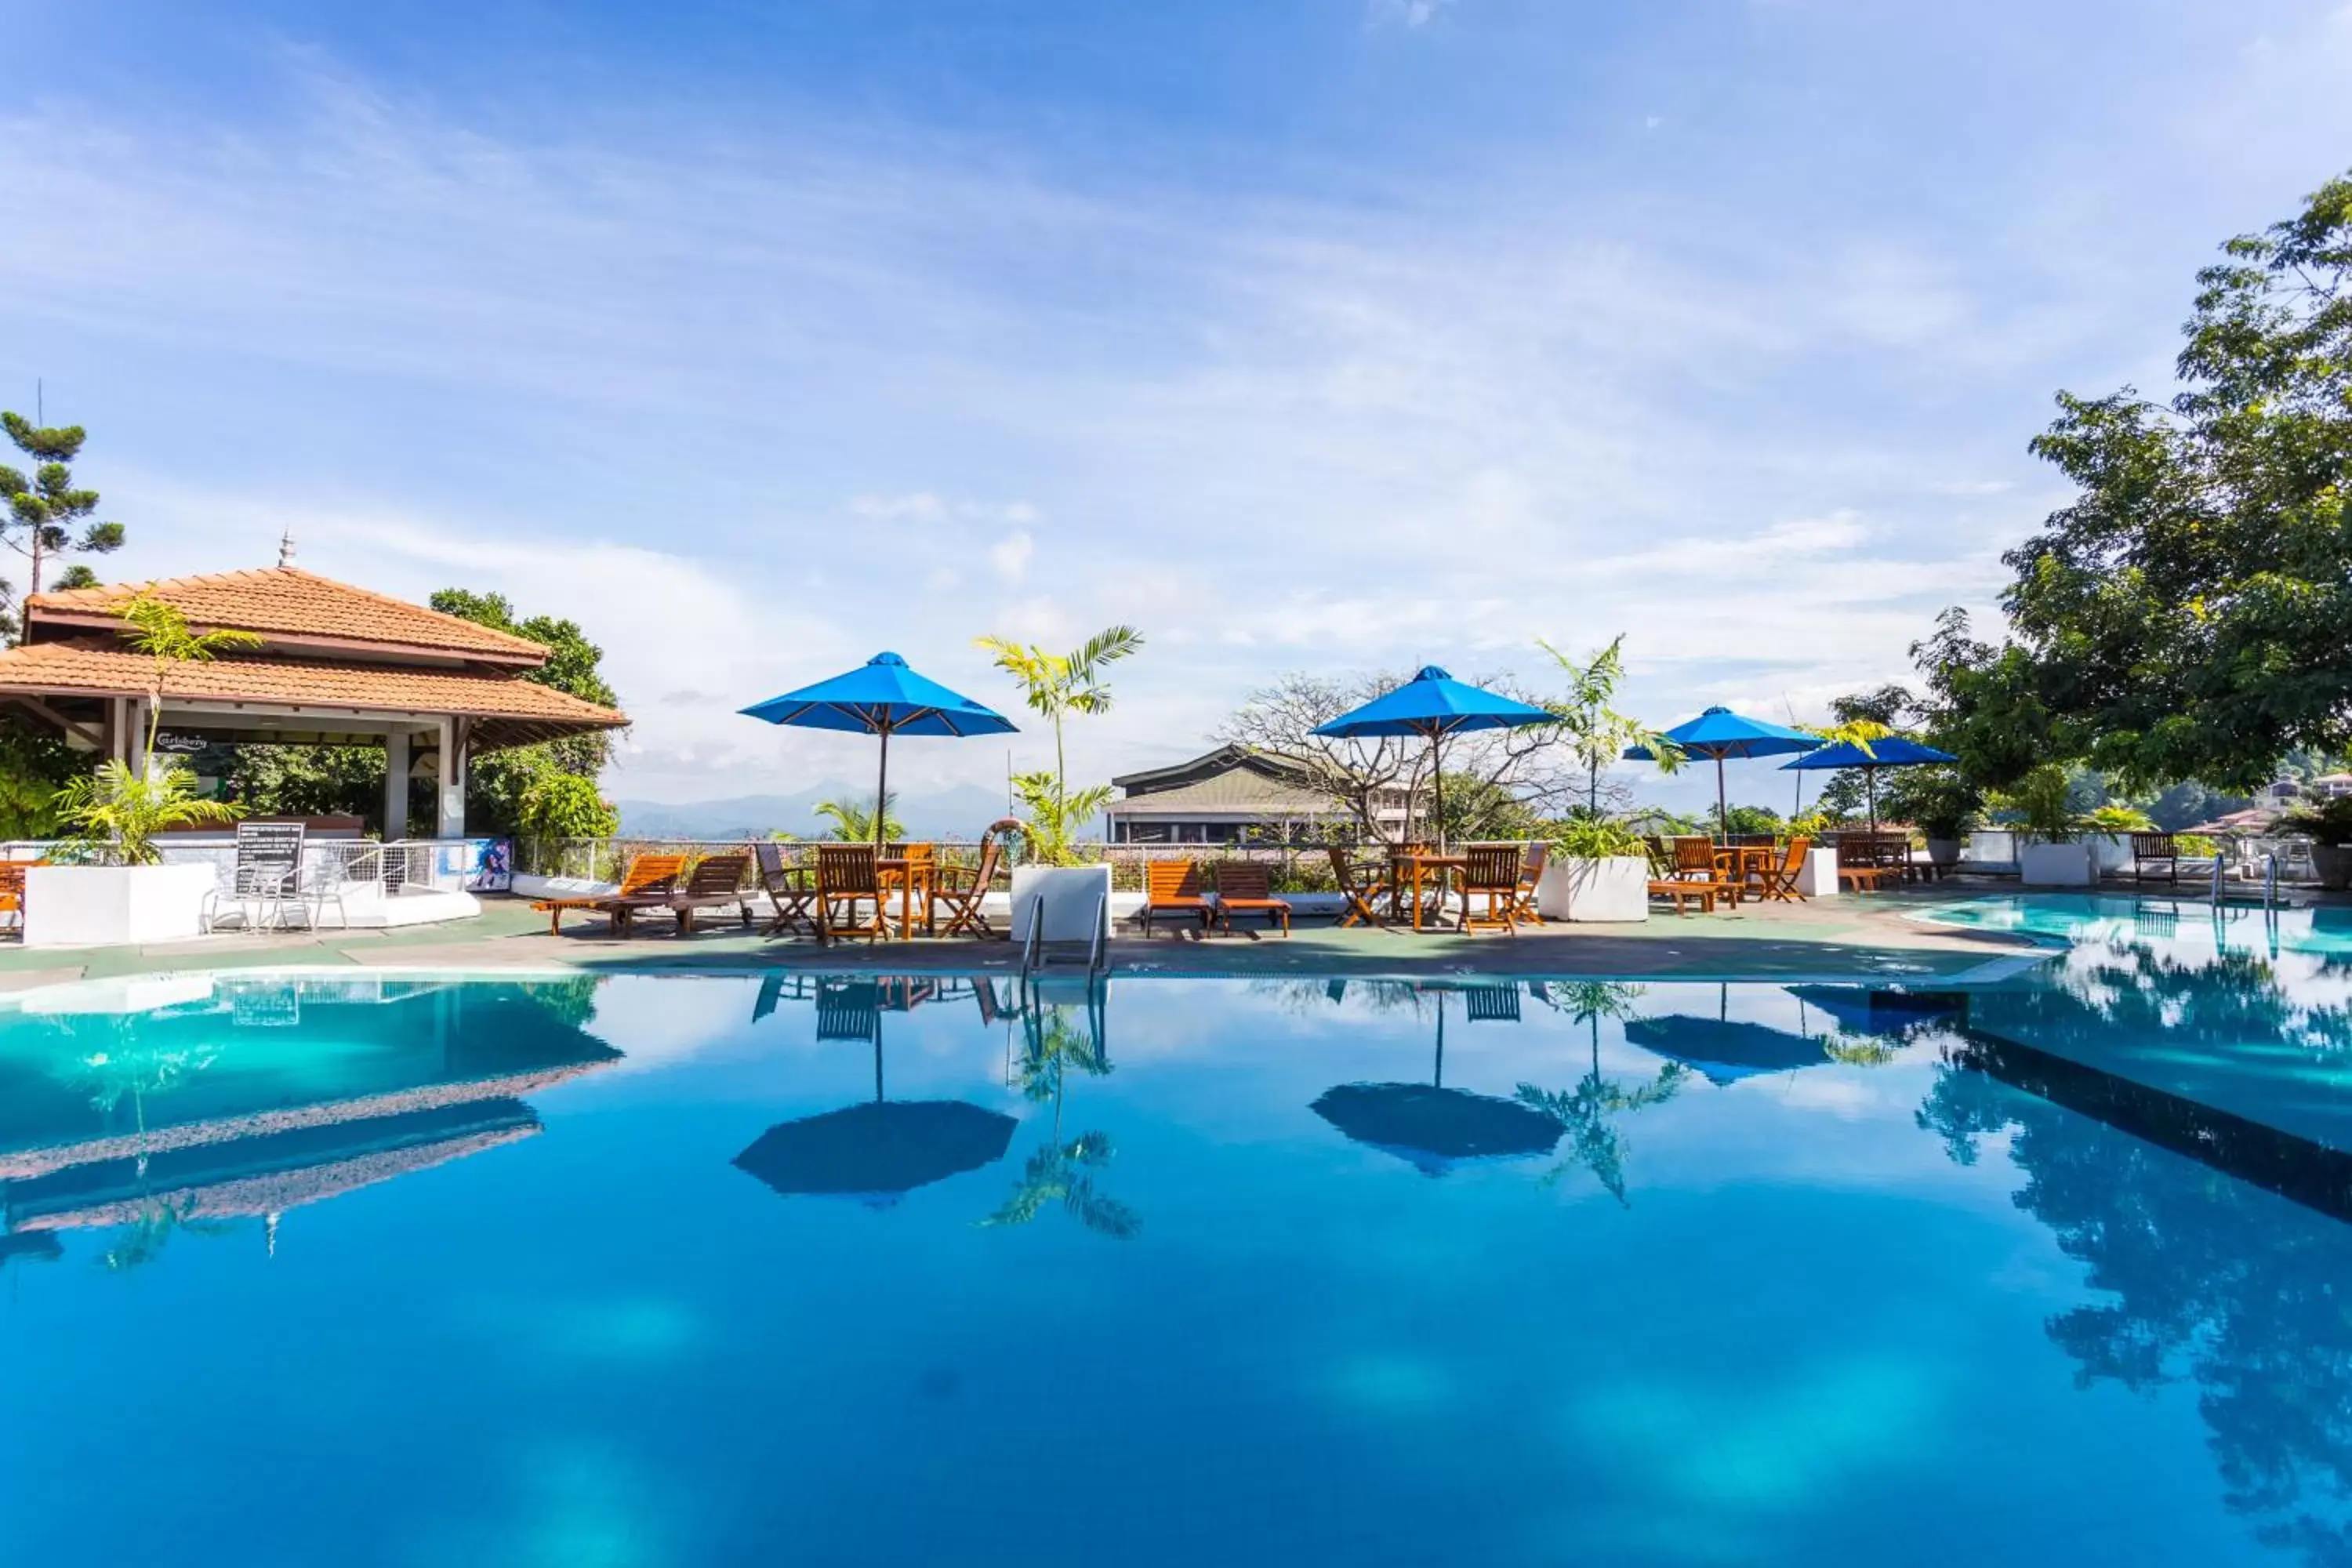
(375,1268)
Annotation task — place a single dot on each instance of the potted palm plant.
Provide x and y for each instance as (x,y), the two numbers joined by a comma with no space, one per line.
(112,888)
(1054,881)
(1597,871)
(2050,850)
(2329,829)
(1943,807)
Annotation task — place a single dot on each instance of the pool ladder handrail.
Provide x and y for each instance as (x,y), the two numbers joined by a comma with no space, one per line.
(1033,947)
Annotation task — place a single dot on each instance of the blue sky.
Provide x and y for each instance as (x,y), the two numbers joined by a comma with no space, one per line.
(1323,335)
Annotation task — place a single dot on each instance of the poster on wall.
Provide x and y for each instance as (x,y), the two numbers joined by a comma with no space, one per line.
(477,864)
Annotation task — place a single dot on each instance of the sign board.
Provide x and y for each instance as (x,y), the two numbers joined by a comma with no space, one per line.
(179,744)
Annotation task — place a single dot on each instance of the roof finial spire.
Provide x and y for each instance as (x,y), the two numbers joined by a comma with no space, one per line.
(286,548)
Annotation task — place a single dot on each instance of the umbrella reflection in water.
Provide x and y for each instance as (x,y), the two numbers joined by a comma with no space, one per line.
(1434,1128)
(878,1151)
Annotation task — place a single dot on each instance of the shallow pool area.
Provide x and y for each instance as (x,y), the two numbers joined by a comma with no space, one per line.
(667,1269)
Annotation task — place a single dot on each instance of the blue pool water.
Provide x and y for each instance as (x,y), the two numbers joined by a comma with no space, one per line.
(706,1269)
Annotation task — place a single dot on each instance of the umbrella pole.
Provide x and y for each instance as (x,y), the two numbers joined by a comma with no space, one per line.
(882,791)
(1870,788)
(1437,781)
(1722,800)
(1438,1077)
(877,1059)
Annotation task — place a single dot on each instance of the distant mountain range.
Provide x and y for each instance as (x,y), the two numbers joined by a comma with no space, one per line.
(958,811)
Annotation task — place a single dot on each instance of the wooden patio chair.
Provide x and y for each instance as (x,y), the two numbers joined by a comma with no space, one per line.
(845,879)
(1695,861)
(1531,869)
(1173,887)
(716,881)
(1491,871)
(647,884)
(959,889)
(2151,848)
(791,890)
(1362,896)
(1781,876)
(1244,887)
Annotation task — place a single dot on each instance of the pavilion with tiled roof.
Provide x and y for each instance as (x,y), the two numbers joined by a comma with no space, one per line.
(336,665)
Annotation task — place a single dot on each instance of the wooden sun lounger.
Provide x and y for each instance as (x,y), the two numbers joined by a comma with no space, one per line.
(1173,887)
(716,881)
(647,884)
(1244,888)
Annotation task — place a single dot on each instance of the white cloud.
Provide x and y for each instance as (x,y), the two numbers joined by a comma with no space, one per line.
(1010,556)
(1404,12)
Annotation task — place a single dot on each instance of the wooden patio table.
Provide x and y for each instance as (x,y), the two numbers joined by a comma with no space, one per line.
(1416,864)
(904,874)
(1741,860)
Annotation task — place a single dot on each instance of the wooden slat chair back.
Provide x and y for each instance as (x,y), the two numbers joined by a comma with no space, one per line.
(1491,1005)
(959,891)
(1533,859)
(845,880)
(790,888)
(1491,872)
(1696,863)
(1173,887)
(1360,894)
(1244,888)
(2149,849)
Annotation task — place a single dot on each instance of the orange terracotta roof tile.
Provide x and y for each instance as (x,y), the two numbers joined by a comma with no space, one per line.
(85,668)
(286,600)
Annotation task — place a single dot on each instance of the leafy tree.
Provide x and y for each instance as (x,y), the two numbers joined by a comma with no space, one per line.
(43,508)
(1596,733)
(34,764)
(2183,616)
(565,805)
(1058,685)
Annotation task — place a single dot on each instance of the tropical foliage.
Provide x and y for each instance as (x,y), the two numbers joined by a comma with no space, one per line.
(1056,686)
(156,628)
(852,820)
(1594,838)
(1595,732)
(115,814)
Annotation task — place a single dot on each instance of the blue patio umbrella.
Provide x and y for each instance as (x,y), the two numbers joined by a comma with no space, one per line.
(1888,752)
(883,697)
(1720,733)
(1435,705)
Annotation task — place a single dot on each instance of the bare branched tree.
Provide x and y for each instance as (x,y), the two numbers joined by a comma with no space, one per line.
(1366,778)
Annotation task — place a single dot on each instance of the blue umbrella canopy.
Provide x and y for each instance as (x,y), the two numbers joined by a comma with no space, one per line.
(882,696)
(1719,733)
(1886,752)
(1435,705)
(1725,1049)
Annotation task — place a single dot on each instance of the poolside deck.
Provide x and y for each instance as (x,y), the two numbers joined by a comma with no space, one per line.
(1845,939)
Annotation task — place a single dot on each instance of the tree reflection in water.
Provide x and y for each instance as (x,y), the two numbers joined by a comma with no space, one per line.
(2213,1281)
(1053,1044)
(1595,1143)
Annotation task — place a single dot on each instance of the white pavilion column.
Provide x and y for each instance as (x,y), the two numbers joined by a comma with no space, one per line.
(134,744)
(450,821)
(395,785)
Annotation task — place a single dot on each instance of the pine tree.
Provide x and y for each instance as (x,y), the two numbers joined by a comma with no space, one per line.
(43,509)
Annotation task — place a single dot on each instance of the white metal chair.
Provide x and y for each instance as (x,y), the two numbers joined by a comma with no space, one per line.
(268,871)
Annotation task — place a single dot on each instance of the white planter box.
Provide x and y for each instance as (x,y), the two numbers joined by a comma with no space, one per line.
(1817,878)
(114,906)
(1076,900)
(2110,851)
(1617,889)
(2055,865)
